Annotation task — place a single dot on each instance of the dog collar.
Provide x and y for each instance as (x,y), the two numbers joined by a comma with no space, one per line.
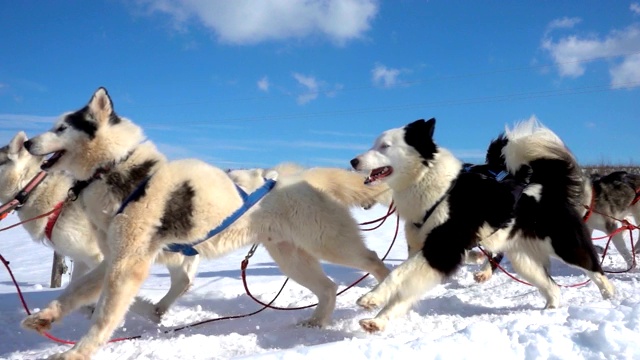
(430,211)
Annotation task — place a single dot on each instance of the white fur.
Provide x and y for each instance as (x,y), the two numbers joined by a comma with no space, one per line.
(417,187)
(298,224)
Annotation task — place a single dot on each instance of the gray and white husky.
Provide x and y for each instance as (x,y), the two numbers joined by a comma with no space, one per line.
(180,202)
(610,197)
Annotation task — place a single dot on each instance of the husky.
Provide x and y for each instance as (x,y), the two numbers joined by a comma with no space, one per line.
(453,210)
(69,231)
(178,203)
(610,197)
(606,199)
(344,186)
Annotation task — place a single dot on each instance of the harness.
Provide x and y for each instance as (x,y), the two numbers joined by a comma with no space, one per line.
(22,195)
(637,198)
(482,170)
(53,218)
(188,249)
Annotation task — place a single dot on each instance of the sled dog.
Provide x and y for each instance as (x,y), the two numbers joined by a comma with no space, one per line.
(344,186)
(609,197)
(69,231)
(178,203)
(453,210)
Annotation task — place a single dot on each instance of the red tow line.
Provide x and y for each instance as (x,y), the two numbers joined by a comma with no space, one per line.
(244,265)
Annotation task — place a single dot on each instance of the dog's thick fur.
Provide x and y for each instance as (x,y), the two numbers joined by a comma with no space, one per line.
(180,203)
(611,197)
(73,234)
(468,209)
(344,186)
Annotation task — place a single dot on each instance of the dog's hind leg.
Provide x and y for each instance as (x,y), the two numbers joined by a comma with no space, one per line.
(532,265)
(399,290)
(306,270)
(181,279)
(635,212)
(618,241)
(81,291)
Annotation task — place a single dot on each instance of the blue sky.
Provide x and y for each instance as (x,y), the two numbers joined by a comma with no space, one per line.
(254,83)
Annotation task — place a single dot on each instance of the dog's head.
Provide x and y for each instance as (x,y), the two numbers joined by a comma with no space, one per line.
(16,165)
(80,142)
(398,154)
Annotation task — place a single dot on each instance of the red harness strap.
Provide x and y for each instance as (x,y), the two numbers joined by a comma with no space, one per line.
(589,208)
(637,198)
(51,221)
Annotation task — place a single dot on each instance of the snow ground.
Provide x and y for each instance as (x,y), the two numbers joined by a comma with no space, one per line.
(457,320)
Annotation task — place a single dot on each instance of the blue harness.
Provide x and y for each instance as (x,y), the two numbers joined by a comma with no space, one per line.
(248,201)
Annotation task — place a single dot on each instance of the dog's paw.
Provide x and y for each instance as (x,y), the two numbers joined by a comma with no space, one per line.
(372,325)
(311,323)
(368,301)
(482,276)
(40,321)
(552,304)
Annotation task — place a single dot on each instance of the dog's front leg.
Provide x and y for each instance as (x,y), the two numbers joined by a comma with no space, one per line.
(125,273)
(401,289)
(81,291)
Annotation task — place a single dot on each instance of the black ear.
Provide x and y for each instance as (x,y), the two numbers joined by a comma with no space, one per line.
(425,128)
(419,134)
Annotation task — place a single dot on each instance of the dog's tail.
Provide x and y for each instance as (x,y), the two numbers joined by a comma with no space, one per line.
(347,187)
(532,146)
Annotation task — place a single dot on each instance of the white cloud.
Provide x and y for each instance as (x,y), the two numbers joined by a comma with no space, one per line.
(263,84)
(250,22)
(35,123)
(635,8)
(626,74)
(311,88)
(564,23)
(572,53)
(384,76)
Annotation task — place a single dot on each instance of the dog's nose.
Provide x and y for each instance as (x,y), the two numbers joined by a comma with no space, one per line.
(355,162)
(27,144)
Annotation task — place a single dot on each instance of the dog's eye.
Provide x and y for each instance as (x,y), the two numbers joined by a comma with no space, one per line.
(60,129)
(384,146)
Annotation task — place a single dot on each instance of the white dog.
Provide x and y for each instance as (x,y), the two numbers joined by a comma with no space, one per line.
(452,210)
(177,204)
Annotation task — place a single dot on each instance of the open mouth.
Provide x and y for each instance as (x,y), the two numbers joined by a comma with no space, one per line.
(49,162)
(377,174)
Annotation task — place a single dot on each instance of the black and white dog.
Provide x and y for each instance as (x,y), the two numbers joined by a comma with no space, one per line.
(453,210)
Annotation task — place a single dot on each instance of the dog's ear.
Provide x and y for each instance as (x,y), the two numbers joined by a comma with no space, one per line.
(101,106)
(422,127)
(17,143)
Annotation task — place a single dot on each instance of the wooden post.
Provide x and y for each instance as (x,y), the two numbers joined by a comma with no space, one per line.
(58,268)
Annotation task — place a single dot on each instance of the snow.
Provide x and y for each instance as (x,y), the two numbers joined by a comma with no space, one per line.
(457,320)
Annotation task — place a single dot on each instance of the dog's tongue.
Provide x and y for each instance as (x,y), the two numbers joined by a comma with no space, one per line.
(51,160)
(377,174)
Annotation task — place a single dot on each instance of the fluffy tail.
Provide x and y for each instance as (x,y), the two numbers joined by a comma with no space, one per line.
(344,186)
(347,187)
(551,164)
